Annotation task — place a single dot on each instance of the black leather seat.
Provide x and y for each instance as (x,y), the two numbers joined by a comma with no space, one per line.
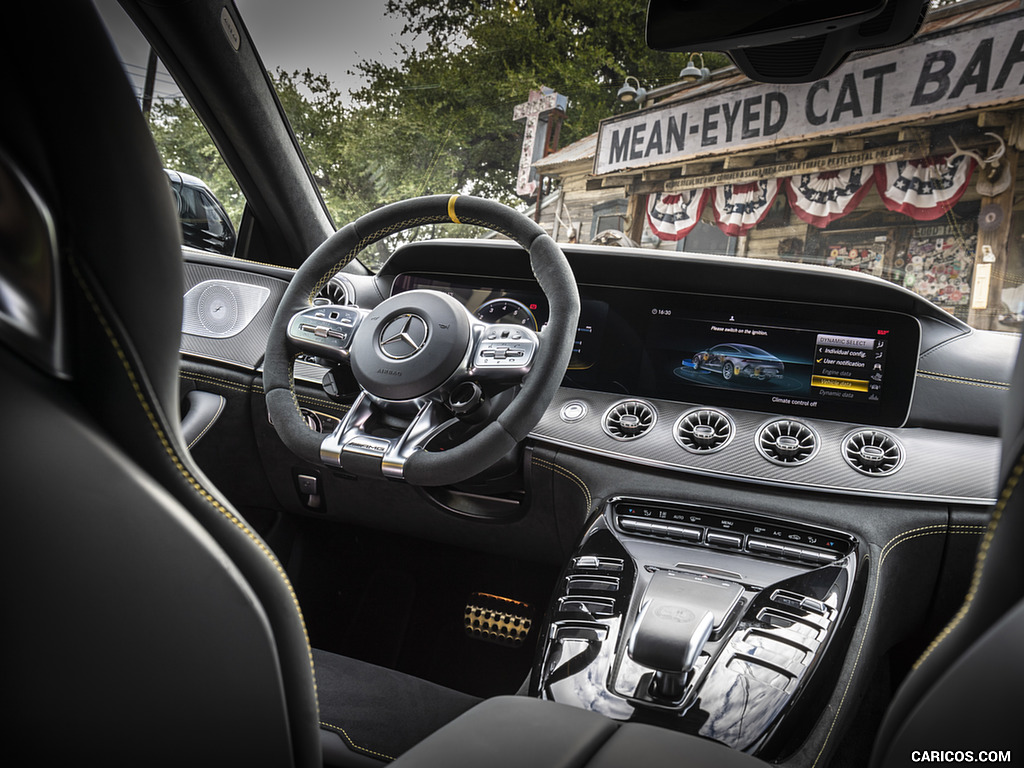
(150,624)
(147,624)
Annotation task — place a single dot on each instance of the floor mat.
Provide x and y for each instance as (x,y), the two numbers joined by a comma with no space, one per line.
(400,603)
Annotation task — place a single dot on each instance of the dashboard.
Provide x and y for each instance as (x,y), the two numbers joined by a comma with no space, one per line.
(762,372)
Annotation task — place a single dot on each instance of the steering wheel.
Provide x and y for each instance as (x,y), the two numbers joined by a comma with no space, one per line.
(422,361)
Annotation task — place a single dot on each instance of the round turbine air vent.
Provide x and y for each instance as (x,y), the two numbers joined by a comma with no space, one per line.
(704,430)
(337,291)
(629,419)
(872,452)
(787,442)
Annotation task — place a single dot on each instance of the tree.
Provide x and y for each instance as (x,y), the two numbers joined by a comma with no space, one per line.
(440,121)
(445,111)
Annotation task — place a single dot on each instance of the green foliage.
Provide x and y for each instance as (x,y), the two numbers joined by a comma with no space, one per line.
(440,121)
(451,97)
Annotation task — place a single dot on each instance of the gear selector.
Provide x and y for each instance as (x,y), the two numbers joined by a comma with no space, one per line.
(678,613)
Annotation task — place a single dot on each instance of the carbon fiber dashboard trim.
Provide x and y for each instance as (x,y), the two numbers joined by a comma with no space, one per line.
(246,347)
(939,466)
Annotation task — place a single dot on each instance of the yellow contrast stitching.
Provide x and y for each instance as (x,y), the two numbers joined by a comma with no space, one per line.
(588,499)
(368,240)
(169,449)
(220,408)
(351,743)
(979,567)
(291,383)
(200,379)
(320,401)
(260,263)
(969,382)
(895,541)
(964,378)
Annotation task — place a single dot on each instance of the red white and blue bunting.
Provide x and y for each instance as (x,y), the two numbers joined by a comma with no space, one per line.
(924,189)
(673,216)
(739,208)
(821,198)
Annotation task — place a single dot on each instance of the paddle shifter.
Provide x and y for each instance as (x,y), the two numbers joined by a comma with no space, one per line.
(678,613)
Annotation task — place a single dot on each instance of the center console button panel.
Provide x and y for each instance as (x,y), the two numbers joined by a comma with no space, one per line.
(708,621)
(731,530)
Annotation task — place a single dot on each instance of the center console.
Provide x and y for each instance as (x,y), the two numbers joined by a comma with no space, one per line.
(712,622)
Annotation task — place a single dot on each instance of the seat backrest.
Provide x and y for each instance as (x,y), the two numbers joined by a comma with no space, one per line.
(149,615)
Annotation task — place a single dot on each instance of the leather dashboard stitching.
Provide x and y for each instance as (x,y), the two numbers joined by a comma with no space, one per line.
(250,261)
(895,541)
(979,567)
(587,498)
(210,423)
(950,378)
(344,734)
(202,379)
(176,460)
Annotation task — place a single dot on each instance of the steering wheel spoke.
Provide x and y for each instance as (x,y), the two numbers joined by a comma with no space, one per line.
(352,447)
(503,353)
(325,330)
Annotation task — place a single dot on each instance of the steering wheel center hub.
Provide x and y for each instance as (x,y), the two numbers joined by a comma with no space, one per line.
(410,345)
(404,336)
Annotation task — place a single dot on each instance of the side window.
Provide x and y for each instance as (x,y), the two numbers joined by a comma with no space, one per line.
(192,212)
(220,234)
(215,223)
(707,238)
(184,144)
(608,215)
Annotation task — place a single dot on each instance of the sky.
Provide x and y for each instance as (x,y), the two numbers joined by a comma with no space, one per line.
(329,37)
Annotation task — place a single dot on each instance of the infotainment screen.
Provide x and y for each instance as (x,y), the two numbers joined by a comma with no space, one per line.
(822,361)
(818,360)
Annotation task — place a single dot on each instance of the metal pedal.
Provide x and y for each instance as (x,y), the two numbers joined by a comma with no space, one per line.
(497,619)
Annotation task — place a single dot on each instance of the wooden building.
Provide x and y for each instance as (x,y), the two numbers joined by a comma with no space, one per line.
(903,163)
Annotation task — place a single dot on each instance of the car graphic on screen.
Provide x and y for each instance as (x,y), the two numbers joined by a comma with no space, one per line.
(739,360)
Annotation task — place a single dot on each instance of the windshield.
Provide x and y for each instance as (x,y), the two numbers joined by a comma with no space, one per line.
(901,164)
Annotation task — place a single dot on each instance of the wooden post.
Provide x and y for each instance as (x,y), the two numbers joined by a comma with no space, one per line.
(635,216)
(992,256)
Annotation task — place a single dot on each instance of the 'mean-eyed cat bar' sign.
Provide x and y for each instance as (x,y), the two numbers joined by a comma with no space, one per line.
(942,73)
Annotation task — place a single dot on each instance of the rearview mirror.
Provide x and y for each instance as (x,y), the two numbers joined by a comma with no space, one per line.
(685,25)
(782,41)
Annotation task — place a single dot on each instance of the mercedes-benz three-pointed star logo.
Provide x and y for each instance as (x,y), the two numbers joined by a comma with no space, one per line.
(403,336)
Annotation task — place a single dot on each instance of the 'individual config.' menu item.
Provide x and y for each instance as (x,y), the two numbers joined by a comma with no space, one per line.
(848,366)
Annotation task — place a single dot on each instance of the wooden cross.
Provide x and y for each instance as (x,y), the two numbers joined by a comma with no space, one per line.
(543,113)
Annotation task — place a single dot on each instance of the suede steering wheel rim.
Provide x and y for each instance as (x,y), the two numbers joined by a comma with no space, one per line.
(549,358)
